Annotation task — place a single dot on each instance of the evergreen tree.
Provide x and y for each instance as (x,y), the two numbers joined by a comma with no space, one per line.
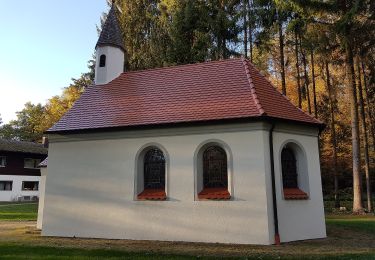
(345,18)
(190,39)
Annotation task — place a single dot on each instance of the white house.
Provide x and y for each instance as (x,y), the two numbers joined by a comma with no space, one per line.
(19,175)
(207,152)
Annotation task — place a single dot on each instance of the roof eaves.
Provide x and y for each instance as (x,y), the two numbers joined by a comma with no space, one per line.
(264,118)
(156,125)
(252,88)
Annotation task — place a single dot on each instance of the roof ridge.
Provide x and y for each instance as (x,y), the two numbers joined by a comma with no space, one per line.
(284,96)
(252,88)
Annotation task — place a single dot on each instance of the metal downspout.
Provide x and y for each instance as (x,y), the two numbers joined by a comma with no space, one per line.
(274,201)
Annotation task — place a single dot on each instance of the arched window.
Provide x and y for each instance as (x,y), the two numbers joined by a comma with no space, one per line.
(215,174)
(102,61)
(289,168)
(152,170)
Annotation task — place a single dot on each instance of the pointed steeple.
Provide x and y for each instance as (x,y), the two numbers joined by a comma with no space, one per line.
(110,51)
(111,33)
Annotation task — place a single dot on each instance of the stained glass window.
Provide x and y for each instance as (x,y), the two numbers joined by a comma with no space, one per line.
(215,171)
(154,169)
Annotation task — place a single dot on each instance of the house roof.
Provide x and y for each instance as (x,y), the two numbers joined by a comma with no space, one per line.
(22,147)
(203,92)
(111,32)
(44,163)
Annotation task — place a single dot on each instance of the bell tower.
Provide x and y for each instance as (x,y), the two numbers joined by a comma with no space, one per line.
(110,52)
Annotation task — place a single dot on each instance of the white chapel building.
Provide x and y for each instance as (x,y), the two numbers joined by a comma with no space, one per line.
(207,152)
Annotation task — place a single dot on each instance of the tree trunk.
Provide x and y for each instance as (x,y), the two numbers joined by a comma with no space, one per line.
(306,75)
(250,24)
(357,189)
(298,74)
(371,123)
(313,81)
(225,53)
(282,63)
(245,26)
(365,139)
(332,103)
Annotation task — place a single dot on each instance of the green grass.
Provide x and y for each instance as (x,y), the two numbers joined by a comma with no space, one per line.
(358,223)
(349,237)
(13,252)
(17,211)
(40,252)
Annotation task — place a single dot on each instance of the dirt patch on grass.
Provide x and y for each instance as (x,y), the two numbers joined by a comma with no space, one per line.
(341,241)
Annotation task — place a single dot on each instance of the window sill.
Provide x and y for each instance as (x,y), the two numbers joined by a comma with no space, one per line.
(152,194)
(214,194)
(295,194)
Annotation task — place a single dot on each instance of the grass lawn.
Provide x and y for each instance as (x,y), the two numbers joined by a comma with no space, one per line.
(364,224)
(349,237)
(18,211)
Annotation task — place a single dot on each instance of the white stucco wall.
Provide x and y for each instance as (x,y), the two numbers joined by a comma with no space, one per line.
(42,188)
(17,187)
(300,219)
(114,64)
(90,189)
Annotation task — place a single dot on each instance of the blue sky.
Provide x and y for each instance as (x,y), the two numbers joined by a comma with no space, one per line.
(43,44)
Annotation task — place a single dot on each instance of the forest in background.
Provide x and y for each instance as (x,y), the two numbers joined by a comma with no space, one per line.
(319,53)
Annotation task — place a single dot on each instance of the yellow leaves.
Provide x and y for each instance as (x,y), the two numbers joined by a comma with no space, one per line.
(57,106)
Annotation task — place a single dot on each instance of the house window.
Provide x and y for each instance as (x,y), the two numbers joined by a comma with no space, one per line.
(3,161)
(6,185)
(153,175)
(31,163)
(215,174)
(30,185)
(102,61)
(290,178)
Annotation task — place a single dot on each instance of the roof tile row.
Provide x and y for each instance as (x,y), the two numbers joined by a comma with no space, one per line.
(227,89)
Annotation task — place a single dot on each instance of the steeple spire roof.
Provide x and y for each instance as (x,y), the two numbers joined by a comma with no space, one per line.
(111,32)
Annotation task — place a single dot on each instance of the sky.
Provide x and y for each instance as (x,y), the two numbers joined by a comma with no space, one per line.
(43,44)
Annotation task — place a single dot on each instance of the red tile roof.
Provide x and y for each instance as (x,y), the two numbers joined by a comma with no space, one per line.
(295,194)
(210,91)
